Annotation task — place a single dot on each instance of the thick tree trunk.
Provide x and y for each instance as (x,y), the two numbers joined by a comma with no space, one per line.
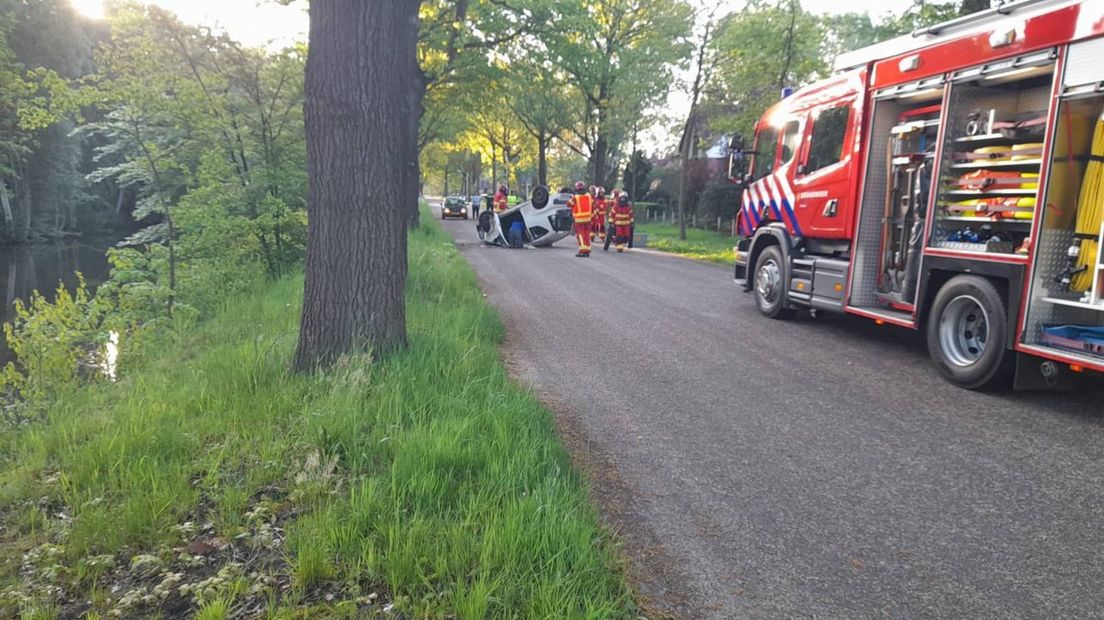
(415,89)
(598,161)
(358,92)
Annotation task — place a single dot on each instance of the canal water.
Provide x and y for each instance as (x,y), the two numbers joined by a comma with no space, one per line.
(41,266)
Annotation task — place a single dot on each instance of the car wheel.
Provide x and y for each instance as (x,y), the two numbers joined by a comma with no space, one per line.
(769,286)
(967,332)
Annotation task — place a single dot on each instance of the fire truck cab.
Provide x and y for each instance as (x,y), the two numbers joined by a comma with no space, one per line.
(950,180)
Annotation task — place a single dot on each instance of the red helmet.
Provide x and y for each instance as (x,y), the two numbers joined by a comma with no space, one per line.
(580,187)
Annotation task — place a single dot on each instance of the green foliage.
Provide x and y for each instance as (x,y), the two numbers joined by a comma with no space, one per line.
(719,199)
(699,244)
(638,172)
(52,341)
(761,49)
(430,478)
(620,57)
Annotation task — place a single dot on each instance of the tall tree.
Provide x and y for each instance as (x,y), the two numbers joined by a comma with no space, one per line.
(360,67)
(703,69)
(620,56)
(538,100)
(766,44)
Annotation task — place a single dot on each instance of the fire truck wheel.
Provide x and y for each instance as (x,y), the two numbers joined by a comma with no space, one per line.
(769,285)
(967,332)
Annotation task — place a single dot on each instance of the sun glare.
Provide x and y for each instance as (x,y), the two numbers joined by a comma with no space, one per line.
(90,8)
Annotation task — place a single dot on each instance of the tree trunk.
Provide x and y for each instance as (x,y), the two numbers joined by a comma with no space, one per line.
(494,168)
(360,68)
(789,47)
(23,210)
(542,159)
(684,176)
(5,203)
(414,92)
(598,160)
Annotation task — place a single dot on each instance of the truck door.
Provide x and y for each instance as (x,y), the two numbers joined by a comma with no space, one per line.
(822,182)
(756,200)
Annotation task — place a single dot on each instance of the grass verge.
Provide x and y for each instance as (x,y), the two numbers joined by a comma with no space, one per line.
(213,483)
(700,244)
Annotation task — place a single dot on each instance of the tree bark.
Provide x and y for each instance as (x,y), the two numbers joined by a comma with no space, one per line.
(5,203)
(360,67)
(684,176)
(542,159)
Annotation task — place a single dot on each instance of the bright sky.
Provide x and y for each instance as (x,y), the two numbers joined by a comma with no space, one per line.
(253,22)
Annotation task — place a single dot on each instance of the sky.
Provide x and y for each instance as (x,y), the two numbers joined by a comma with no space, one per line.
(266,22)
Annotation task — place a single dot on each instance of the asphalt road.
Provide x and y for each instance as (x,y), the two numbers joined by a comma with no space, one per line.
(810,468)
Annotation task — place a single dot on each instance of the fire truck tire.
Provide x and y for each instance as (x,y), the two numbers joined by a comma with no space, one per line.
(967,331)
(769,284)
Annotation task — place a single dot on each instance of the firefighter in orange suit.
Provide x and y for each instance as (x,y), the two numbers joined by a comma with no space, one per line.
(601,209)
(500,199)
(582,209)
(622,220)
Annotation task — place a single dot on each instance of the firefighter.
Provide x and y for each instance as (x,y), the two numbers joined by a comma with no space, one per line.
(623,221)
(582,209)
(601,209)
(501,199)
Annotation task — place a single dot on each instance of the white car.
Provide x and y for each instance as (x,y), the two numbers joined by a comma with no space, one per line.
(546,219)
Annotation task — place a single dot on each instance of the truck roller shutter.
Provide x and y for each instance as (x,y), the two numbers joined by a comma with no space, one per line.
(1012,67)
(1084,68)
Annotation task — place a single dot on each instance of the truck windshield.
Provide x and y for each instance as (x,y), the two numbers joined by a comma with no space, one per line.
(765,147)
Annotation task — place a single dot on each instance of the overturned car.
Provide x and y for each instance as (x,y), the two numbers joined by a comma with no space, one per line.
(544,219)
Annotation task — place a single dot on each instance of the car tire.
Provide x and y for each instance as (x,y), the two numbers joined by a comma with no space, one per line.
(967,333)
(769,285)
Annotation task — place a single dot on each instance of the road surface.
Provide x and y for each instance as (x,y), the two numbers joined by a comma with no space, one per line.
(813,468)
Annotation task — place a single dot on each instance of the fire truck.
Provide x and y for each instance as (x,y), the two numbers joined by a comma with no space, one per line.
(951,180)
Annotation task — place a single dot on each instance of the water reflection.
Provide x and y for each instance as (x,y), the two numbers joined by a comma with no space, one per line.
(41,266)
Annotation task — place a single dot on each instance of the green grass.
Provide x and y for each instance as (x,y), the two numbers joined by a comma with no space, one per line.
(700,244)
(429,477)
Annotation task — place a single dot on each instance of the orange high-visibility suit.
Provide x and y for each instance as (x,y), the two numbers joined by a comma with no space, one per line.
(500,202)
(582,210)
(622,221)
(601,209)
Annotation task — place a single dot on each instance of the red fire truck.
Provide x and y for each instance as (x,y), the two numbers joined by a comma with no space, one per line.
(950,180)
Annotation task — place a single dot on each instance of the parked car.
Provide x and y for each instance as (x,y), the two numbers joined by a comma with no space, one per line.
(454,206)
(546,218)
